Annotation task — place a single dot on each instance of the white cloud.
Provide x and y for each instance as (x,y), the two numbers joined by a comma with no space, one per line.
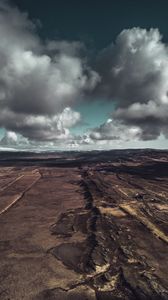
(10,138)
(114,130)
(38,80)
(134,74)
(41,81)
(42,127)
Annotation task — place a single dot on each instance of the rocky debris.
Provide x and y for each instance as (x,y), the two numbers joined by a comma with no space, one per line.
(80,292)
(97,232)
(109,256)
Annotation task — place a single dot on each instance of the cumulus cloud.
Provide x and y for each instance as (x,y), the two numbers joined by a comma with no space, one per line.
(41,127)
(41,81)
(134,74)
(113,130)
(10,138)
(38,80)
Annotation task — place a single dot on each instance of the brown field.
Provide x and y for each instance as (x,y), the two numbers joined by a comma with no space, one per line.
(89,227)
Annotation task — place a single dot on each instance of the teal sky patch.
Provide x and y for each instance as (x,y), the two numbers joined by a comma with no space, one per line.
(1,133)
(93,114)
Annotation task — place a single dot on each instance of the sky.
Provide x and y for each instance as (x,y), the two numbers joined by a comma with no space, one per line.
(83,75)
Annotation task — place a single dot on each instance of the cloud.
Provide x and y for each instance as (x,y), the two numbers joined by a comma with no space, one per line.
(151,118)
(10,138)
(113,130)
(41,132)
(38,80)
(134,74)
(41,81)
(41,127)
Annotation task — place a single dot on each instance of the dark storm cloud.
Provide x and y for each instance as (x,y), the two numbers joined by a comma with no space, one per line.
(37,80)
(134,74)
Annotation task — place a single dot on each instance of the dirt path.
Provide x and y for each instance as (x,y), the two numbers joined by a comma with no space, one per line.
(26,265)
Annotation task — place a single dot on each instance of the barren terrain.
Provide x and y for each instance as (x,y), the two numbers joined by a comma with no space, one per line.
(87,226)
